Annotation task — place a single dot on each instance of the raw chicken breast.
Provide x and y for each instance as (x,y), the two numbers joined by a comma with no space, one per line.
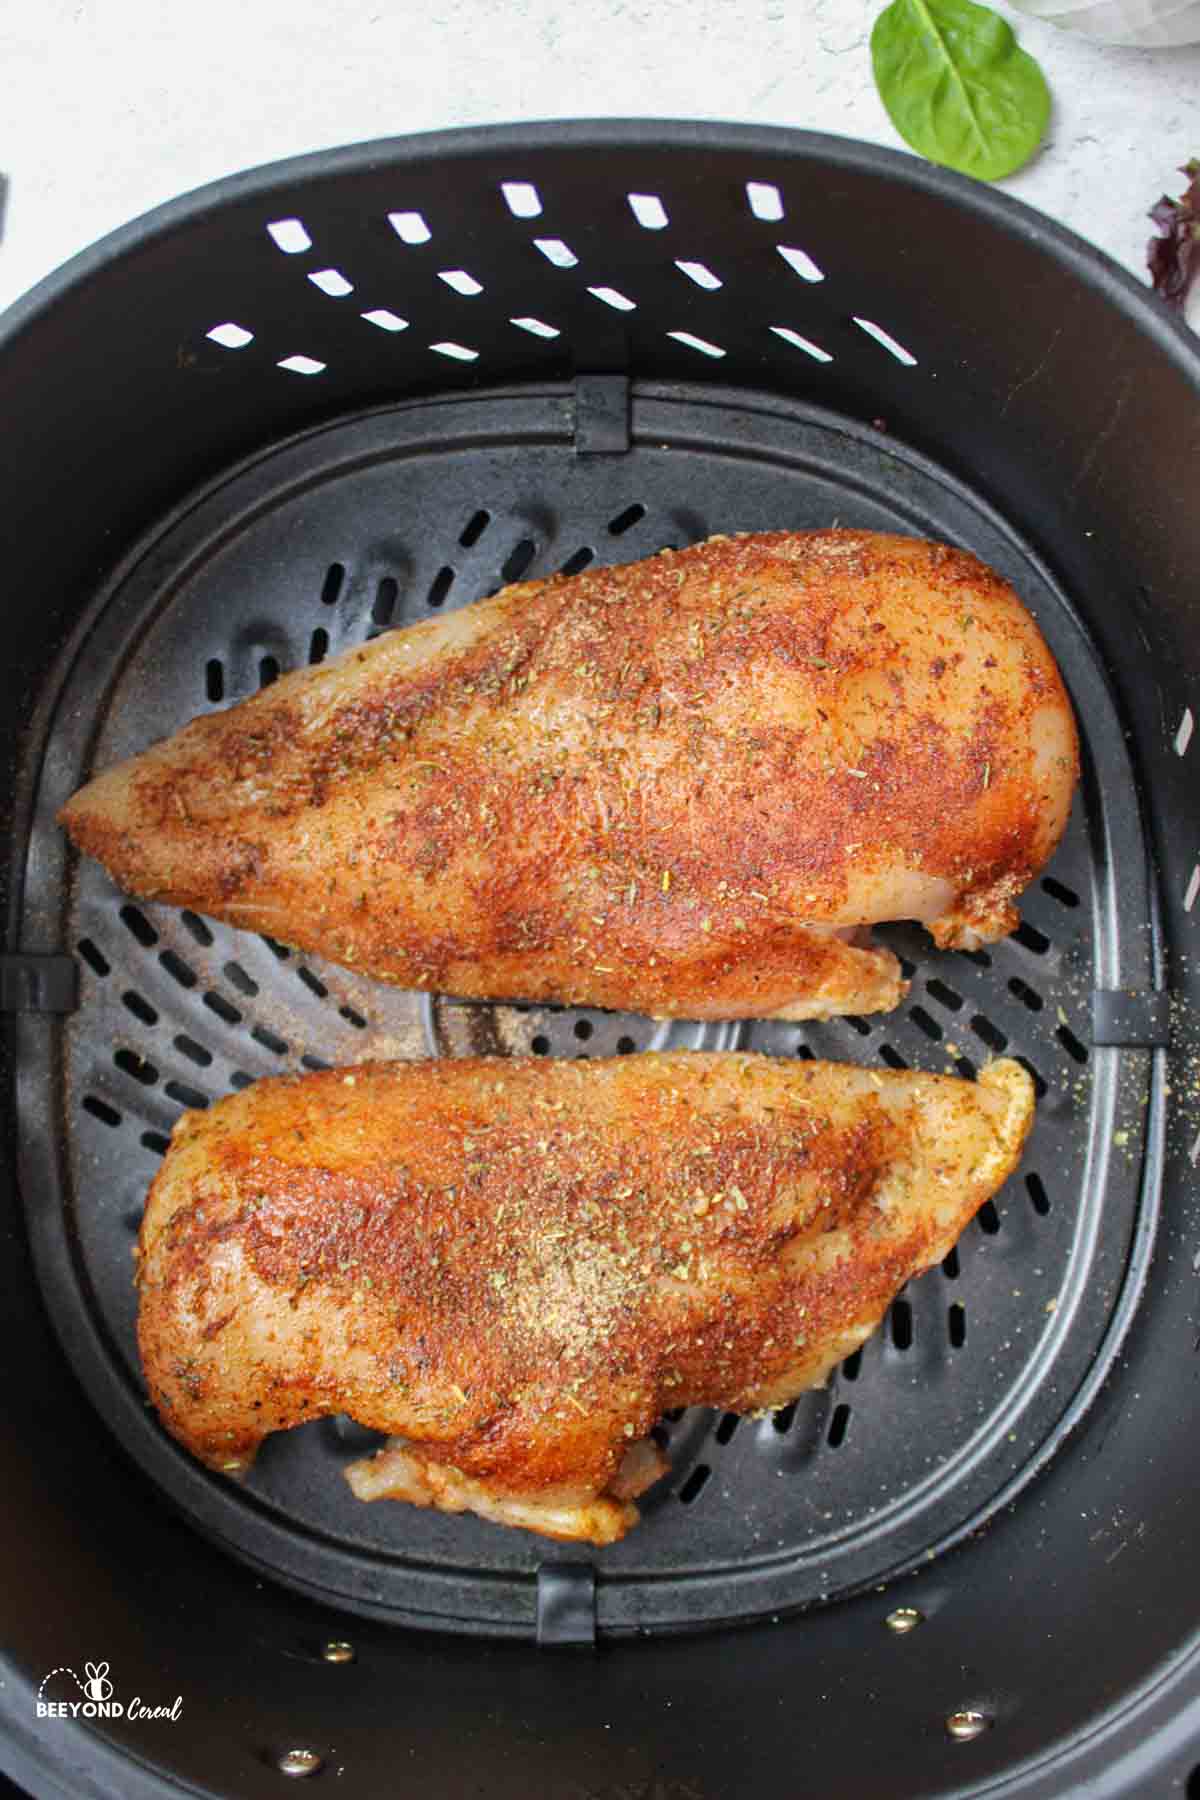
(681,787)
(514,1267)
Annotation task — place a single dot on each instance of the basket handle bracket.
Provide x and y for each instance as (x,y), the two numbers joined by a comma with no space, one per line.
(566,1606)
(1131,1019)
(601,415)
(31,983)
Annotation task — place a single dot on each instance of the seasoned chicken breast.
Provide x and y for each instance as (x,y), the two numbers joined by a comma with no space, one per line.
(514,1267)
(680,788)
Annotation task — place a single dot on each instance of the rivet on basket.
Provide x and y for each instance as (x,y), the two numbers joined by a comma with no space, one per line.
(300,1762)
(904,1620)
(965,1725)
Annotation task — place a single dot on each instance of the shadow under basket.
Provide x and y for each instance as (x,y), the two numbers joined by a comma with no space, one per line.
(337,395)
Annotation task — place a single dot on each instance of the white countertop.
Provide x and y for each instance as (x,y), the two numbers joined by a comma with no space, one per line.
(111,106)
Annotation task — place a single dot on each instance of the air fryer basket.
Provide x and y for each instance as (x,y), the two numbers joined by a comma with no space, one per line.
(318,401)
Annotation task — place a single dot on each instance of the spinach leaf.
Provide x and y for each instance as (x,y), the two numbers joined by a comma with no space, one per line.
(957,86)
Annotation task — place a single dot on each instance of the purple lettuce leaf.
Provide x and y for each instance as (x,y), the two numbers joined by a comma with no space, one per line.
(1173,255)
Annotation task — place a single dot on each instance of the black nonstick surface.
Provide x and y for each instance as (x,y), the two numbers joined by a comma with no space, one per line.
(982,1365)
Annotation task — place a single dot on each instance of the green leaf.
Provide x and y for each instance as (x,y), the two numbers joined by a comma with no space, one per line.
(958,87)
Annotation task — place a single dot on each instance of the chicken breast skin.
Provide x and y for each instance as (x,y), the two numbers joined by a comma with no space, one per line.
(680,787)
(514,1267)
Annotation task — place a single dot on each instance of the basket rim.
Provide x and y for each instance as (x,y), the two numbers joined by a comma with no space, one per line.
(1072,252)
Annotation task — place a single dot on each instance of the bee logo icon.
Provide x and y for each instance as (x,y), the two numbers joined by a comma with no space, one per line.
(98,1686)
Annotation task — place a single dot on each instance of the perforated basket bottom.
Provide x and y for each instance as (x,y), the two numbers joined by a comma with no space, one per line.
(370,523)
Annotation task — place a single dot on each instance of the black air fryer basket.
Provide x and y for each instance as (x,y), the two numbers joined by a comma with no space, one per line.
(317,401)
